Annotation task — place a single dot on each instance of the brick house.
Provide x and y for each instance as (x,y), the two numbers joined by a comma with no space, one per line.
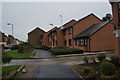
(77,27)
(11,40)
(116,22)
(3,39)
(58,37)
(94,38)
(35,37)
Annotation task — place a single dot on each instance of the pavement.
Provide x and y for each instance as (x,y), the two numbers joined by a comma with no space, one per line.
(29,74)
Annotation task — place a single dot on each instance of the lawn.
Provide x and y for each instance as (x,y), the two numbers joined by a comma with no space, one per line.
(15,54)
(8,69)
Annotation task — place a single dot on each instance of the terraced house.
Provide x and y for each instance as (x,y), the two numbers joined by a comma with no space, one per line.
(87,34)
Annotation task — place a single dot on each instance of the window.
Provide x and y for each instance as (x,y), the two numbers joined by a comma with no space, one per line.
(64,32)
(65,42)
(70,42)
(82,42)
(76,42)
(70,31)
(41,36)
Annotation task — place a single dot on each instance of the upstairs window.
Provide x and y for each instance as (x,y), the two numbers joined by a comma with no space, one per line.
(70,31)
(64,32)
(41,36)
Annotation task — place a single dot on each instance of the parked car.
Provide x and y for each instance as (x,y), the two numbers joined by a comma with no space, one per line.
(6,47)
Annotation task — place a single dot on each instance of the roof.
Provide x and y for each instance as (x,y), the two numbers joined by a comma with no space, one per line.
(69,23)
(53,29)
(92,29)
(81,20)
(36,29)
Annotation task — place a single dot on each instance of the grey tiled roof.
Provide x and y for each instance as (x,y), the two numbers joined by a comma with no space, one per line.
(92,29)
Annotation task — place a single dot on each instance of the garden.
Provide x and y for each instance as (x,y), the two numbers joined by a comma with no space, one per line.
(20,51)
(99,68)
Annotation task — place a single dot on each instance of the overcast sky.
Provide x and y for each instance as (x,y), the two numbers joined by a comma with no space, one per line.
(26,16)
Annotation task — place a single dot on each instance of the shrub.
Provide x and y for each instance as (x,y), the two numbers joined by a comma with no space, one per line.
(5,58)
(87,69)
(21,49)
(115,60)
(101,57)
(86,59)
(91,74)
(107,68)
(59,51)
(65,50)
(14,47)
(43,47)
(109,77)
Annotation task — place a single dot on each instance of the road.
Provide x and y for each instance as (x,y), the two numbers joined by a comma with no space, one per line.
(48,66)
(43,54)
(55,71)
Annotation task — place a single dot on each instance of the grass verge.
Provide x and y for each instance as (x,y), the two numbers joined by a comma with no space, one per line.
(8,69)
(15,54)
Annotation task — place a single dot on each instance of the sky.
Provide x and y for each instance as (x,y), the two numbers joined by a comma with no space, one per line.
(26,16)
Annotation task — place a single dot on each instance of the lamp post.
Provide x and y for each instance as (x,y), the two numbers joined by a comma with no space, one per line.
(12,32)
(52,36)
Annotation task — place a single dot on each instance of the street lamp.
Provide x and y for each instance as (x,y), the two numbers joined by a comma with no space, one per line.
(12,30)
(52,36)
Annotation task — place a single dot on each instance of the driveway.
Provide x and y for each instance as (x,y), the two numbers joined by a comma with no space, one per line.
(43,54)
(55,71)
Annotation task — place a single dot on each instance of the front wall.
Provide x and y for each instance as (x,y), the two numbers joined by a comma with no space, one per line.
(103,40)
(34,38)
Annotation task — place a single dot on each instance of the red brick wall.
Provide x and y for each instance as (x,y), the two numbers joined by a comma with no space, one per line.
(103,40)
(34,37)
(45,40)
(60,38)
